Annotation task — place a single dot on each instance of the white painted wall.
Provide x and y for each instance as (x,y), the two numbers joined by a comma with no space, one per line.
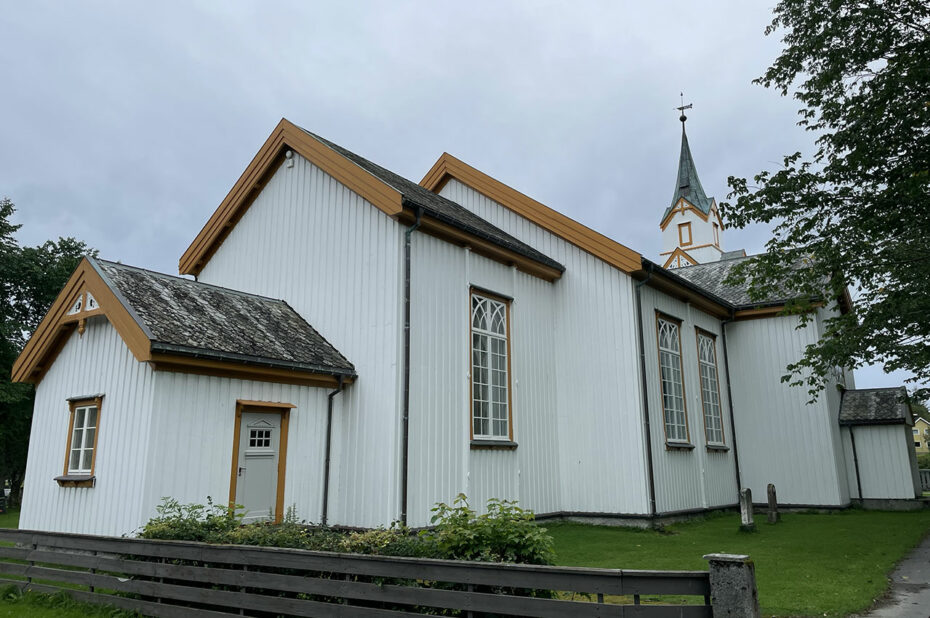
(336,259)
(191,439)
(782,439)
(601,449)
(698,478)
(887,461)
(442,464)
(97,362)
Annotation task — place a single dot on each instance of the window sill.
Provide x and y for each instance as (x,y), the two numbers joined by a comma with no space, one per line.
(493,445)
(720,448)
(76,480)
(678,446)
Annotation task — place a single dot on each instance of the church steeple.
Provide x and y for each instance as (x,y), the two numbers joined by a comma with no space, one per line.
(695,237)
(689,185)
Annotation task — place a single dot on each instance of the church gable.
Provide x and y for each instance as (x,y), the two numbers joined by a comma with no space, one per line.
(395,196)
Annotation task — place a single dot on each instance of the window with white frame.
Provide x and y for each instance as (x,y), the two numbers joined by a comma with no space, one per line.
(673,394)
(710,389)
(490,381)
(83,439)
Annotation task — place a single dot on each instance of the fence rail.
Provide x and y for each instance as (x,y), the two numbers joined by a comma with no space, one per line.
(172,578)
(924,480)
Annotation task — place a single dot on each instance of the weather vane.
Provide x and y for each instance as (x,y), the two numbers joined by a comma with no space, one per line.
(683,107)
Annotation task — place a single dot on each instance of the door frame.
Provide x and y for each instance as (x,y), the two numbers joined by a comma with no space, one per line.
(267,407)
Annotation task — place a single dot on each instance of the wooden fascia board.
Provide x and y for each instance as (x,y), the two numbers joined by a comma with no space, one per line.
(286,135)
(483,247)
(57,325)
(583,237)
(679,252)
(768,312)
(187,364)
(682,205)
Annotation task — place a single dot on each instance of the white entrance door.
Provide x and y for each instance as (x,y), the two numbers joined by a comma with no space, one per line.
(257,476)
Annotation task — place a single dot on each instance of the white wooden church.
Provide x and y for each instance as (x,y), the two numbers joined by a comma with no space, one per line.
(358,346)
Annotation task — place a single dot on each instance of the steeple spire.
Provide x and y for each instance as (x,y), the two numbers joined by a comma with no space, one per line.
(689,185)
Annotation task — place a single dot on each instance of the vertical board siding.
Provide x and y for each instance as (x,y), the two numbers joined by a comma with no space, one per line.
(192,431)
(886,469)
(593,338)
(786,441)
(687,479)
(97,362)
(336,259)
(442,464)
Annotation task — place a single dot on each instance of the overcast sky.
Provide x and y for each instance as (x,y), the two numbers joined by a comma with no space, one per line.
(124,124)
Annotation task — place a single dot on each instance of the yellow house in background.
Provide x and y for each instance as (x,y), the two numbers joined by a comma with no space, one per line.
(921,435)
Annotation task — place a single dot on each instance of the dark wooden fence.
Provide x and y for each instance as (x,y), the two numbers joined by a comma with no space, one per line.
(924,480)
(171,578)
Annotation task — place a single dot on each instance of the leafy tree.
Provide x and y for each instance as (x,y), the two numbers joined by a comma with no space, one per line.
(30,279)
(857,214)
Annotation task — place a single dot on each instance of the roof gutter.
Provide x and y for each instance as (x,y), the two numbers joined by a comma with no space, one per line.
(642,370)
(244,359)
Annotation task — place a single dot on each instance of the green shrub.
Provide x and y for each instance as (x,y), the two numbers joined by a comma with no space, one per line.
(394,541)
(210,523)
(923,461)
(506,533)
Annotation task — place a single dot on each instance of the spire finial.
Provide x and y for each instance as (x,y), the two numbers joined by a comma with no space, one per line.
(682,109)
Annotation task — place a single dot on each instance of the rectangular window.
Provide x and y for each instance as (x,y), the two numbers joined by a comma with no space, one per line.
(915,432)
(684,234)
(82,439)
(716,234)
(673,393)
(917,444)
(490,368)
(710,388)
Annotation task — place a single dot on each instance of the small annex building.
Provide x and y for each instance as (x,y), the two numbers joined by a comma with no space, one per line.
(357,346)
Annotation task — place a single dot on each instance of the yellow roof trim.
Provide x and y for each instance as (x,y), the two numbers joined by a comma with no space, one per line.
(57,325)
(679,252)
(286,136)
(566,228)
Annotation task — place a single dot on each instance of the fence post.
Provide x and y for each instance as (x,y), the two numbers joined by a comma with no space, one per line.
(733,586)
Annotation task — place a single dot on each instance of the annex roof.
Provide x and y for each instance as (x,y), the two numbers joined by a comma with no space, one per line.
(688,185)
(392,194)
(181,325)
(181,316)
(875,406)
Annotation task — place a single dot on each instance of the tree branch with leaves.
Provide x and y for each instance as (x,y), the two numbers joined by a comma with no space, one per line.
(856,215)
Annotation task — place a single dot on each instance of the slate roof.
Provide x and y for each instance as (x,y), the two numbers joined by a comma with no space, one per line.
(875,406)
(711,276)
(186,317)
(442,209)
(688,185)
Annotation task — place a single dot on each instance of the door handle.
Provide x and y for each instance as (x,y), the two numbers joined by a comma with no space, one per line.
(241,470)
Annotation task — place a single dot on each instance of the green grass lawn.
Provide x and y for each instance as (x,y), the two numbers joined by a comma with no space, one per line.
(809,564)
(10,519)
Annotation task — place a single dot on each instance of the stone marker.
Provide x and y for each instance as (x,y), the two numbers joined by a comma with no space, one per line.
(745,510)
(773,505)
(733,586)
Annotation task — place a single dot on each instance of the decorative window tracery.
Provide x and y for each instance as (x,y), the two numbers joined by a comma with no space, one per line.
(673,394)
(710,389)
(490,382)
